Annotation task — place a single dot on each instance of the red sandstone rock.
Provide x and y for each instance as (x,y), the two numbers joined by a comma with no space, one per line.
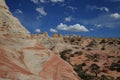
(57,69)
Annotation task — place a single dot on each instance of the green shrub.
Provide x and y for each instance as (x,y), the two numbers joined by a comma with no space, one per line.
(95,69)
(63,54)
(79,53)
(85,76)
(115,66)
(102,48)
(118,78)
(72,55)
(118,69)
(92,43)
(83,64)
(102,41)
(104,77)
(82,74)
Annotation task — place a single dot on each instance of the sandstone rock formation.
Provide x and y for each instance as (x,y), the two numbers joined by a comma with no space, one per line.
(23,58)
(49,42)
(7,20)
(45,34)
(57,66)
(10,23)
(59,36)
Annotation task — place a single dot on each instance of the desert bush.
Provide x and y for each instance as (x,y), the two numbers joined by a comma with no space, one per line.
(118,42)
(118,61)
(72,40)
(103,48)
(93,42)
(110,43)
(118,57)
(85,76)
(83,64)
(63,54)
(102,41)
(115,66)
(118,69)
(88,49)
(104,77)
(111,56)
(90,57)
(82,74)
(72,55)
(79,53)
(95,69)
(118,78)
(94,57)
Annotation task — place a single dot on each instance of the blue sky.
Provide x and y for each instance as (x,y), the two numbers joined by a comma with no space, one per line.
(94,18)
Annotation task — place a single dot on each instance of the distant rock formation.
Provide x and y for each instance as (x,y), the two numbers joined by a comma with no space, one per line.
(56,44)
(59,36)
(45,34)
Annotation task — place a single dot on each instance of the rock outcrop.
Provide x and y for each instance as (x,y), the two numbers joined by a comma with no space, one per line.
(57,66)
(10,23)
(23,58)
(45,34)
(55,44)
(59,36)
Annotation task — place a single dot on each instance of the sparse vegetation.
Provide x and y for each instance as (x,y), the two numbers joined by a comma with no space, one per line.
(82,74)
(102,41)
(94,57)
(79,53)
(118,78)
(115,66)
(63,54)
(83,64)
(92,43)
(104,77)
(89,70)
(103,48)
(95,69)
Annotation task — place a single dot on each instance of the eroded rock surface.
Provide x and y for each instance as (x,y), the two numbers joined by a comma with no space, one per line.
(23,58)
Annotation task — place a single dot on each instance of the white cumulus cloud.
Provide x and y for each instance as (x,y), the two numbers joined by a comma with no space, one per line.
(46,1)
(35,1)
(57,1)
(53,30)
(91,29)
(115,15)
(41,11)
(68,19)
(18,11)
(103,8)
(72,7)
(42,1)
(72,28)
(98,25)
(37,30)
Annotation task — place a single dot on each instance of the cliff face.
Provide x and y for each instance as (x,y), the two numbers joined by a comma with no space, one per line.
(22,58)
(7,20)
